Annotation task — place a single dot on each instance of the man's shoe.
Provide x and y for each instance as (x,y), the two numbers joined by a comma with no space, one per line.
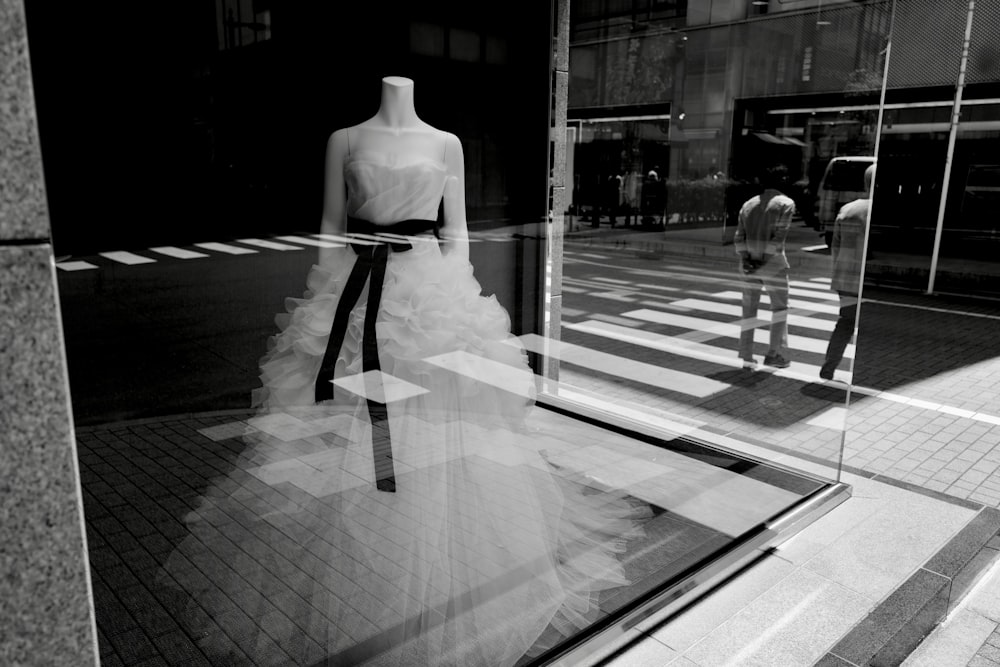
(776,361)
(826,372)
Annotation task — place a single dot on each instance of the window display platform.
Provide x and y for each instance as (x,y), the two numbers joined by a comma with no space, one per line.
(863,584)
(203,547)
(714,510)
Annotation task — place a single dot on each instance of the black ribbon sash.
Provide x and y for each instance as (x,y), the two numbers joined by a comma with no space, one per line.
(369,267)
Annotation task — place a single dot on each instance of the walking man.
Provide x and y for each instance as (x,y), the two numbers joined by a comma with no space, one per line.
(847,252)
(760,242)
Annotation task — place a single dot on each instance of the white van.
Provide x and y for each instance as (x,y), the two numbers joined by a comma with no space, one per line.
(842,182)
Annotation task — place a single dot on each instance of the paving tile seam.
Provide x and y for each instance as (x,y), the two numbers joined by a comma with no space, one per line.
(144,421)
(989,648)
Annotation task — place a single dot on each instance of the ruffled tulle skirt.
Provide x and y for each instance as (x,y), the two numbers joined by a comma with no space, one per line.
(484,553)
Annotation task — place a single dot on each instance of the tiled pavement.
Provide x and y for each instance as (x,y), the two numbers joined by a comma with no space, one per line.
(988,654)
(209,545)
(134,522)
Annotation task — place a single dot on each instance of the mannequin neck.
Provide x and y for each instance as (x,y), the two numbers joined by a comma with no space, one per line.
(396,109)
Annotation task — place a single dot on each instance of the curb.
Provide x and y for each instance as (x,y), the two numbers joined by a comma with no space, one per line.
(897,626)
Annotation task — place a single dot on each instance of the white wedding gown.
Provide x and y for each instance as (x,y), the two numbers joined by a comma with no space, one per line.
(483,552)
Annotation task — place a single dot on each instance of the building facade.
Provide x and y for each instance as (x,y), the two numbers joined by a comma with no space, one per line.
(696,89)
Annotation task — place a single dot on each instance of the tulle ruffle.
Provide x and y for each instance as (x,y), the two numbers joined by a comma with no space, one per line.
(431,305)
(485,552)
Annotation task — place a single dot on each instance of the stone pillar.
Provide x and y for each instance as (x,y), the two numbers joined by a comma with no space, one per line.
(46,610)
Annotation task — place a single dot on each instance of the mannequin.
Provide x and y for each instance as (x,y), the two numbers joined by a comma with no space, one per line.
(439,533)
(396,130)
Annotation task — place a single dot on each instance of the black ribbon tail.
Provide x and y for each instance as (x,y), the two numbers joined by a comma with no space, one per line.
(385,475)
(348,299)
(370,266)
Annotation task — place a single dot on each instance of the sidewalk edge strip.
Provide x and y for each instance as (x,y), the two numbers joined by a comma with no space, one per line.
(895,627)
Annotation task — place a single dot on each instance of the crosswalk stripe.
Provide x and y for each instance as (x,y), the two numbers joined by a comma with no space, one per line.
(702,305)
(705,330)
(517,381)
(593,285)
(685,322)
(655,376)
(822,295)
(124,257)
(337,238)
(657,341)
(270,245)
(797,305)
(378,239)
(733,310)
(310,242)
(708,276)
(809,285)
(614,296)
(695,345)
(226,248)
(387,236)
(379,387)
(178,253)
(797,371)
(75,266)
(662,288)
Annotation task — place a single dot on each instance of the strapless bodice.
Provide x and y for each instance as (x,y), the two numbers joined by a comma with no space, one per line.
(382,190)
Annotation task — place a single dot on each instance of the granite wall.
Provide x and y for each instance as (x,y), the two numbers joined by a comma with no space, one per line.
(46,612)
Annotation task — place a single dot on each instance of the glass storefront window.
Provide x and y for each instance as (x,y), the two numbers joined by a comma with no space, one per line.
(455,351)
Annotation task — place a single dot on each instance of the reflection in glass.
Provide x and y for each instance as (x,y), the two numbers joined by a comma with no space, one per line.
(760,242)
(847,251)
(737,274)
(426,509)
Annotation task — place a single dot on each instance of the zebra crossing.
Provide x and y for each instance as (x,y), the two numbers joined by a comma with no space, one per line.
(698,323)
(249,246)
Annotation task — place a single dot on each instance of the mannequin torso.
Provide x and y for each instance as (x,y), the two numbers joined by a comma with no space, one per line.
(398,136)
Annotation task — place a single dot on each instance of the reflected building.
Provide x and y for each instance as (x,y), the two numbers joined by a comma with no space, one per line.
(701,89)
